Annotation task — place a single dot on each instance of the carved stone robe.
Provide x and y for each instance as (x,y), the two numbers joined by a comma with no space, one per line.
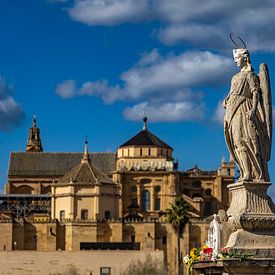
(243,134)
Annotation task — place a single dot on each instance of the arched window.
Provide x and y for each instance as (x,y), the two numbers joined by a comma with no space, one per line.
(145,200)
(157,204)
(84,214)
(157,189)
(207,209)
(24,189)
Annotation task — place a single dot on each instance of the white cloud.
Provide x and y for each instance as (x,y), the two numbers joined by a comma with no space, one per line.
(168,86)
(169,112)
(109,12)
(11,113)
(199,23)
(219,113)
(149,58)
(206,36)
(208,23)
(185,71)
(101,89)
(67,89)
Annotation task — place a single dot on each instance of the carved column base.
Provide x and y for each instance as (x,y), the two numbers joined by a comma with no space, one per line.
(251,208)
(252,219)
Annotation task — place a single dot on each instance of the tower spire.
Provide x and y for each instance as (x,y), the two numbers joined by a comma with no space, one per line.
(86,157)
(34,121)
(34,143)
(144,123)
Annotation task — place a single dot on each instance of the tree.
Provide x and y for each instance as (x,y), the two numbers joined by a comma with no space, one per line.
(178,217)
(149,266)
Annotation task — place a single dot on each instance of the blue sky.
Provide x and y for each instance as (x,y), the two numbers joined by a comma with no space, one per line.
(94,67)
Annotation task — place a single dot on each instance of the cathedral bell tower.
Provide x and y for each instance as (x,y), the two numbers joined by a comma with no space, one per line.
(34,143)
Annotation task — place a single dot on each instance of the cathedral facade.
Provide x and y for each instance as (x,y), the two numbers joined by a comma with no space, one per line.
(78,201)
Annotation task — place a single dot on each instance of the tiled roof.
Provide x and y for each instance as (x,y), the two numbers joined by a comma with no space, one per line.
(55,164)
(85,172)
(146,138)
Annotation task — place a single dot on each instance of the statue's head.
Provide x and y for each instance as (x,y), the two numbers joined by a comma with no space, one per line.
(241,57)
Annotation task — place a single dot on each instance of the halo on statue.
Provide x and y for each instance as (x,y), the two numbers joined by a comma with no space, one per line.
(235,36)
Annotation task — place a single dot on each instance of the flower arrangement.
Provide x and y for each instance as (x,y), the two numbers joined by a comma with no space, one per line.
(207,253)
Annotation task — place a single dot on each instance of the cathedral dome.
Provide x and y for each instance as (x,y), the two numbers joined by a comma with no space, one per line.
(145,144)
(145,138)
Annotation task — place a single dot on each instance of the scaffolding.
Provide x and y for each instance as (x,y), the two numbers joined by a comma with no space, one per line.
(24,205)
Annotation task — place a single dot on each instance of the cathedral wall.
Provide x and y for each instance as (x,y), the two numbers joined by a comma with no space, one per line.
(28,236)
(140,232)
(6,238)
(159,186)
(18,235)
(22,185)
(79,232)
(62,190)
(59,262)
(63,204)
(116,229)
(60,236)
(198,233)
(86,203)
(83,190)
(108,204)
(46,234)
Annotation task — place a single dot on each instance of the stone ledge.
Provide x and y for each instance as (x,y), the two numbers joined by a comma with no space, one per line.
(236,266)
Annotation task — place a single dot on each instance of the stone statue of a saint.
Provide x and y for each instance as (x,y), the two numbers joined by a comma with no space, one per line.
(248,119)
(214,234)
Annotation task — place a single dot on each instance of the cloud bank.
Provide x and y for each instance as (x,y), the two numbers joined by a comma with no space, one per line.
(198,23)
(169,88)
(11,113)
(166,88)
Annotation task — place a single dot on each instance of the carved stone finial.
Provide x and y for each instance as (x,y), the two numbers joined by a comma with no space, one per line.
(145,123)
(86,153)
(34,121)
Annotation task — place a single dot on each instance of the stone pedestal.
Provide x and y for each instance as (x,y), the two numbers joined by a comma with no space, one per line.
(252,218)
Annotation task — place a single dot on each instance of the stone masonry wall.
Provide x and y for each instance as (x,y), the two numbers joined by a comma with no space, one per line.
(59,262)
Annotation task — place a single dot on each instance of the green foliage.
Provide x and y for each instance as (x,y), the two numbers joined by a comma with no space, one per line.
(178,215)
(150,266)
